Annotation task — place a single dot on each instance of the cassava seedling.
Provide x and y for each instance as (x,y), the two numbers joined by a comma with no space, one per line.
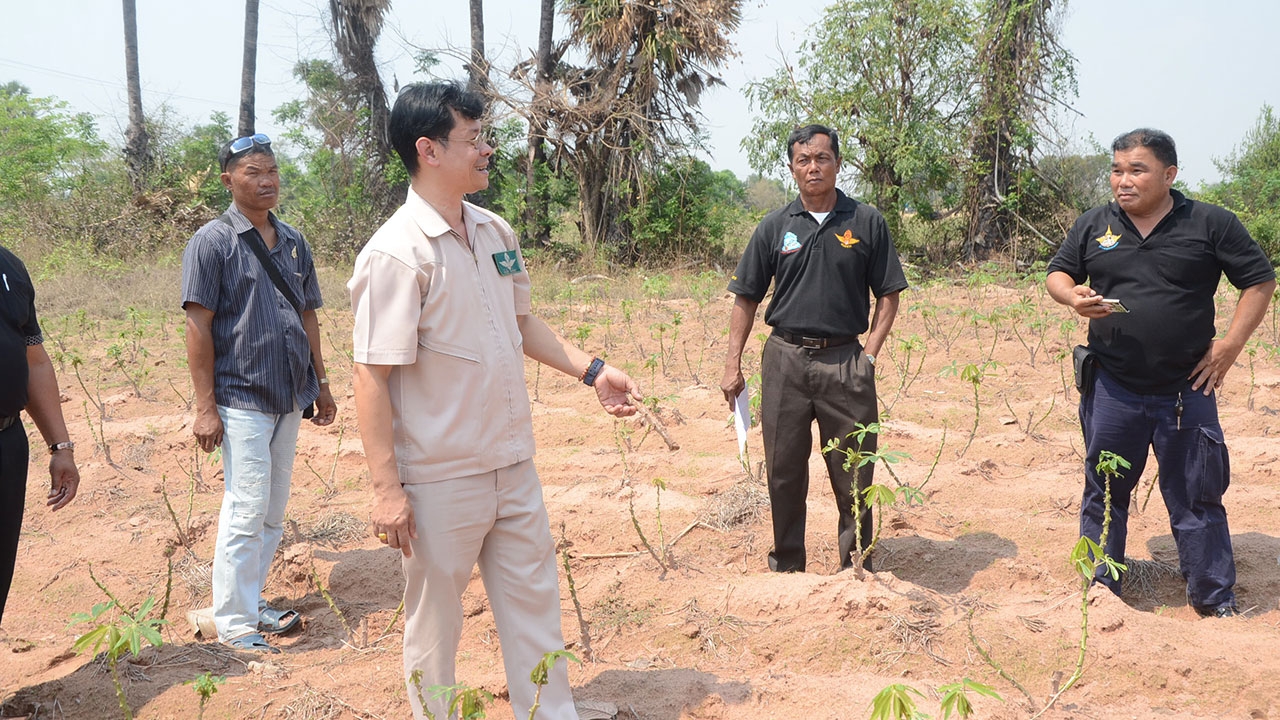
(1088,558)
(879,496)
(122,631)
(205,686)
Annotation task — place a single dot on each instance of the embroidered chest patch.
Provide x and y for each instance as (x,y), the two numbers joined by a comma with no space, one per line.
(790,243)
(507,262)
(1108,241)
(847,239)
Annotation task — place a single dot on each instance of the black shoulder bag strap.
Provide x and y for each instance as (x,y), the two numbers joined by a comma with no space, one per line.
(259,249)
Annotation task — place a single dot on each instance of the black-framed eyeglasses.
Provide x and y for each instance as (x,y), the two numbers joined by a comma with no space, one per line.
(241,144)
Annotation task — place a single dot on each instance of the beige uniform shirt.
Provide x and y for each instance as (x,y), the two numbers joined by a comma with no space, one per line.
(446,319)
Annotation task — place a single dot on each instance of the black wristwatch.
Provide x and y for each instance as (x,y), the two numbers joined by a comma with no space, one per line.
(64,445)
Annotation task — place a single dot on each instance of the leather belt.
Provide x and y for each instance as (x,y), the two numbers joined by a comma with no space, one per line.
(8,422)
(814,342)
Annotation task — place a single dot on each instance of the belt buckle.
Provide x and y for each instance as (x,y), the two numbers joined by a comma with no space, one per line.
(810,342)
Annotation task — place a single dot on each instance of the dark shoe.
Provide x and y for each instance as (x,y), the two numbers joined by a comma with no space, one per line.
(252,642)
(1222,611)
(276,622)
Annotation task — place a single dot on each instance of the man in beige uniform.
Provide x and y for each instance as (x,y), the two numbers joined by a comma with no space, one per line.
(442,321)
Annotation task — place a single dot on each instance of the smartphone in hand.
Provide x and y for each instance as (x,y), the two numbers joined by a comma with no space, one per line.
(1116,305)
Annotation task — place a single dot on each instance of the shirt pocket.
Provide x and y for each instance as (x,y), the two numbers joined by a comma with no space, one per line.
(447,404)
(1187,264)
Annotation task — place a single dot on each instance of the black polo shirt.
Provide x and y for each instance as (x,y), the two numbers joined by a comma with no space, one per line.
(822,273)
(18,329)
(1167,281)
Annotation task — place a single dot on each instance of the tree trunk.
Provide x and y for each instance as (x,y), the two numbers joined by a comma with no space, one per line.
(137,146)
(356,26)
(249,70)
(537,195)
(885,185)
(478,68)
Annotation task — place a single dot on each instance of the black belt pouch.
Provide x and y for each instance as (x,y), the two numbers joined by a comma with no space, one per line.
(1086,364)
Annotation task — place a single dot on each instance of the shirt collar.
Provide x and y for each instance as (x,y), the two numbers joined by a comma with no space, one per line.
(432,223)
(241,224)
(844,203)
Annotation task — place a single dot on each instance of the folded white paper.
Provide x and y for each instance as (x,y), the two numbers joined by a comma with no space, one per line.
(742,419)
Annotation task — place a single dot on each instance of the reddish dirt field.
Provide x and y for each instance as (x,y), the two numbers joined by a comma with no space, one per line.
(979,566)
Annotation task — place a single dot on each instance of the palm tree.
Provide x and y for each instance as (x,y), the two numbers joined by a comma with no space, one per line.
(537,198)
(249,69)
(356,26)
(478,67)
(635,100)
(137,150)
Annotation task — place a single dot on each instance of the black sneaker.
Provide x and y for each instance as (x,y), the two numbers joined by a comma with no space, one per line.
(1223,611)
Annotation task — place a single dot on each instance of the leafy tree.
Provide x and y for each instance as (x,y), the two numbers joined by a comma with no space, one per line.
(1081,181)
(43,146)
(765,194)
(687,211)
(893,79)
(337,189)
(1252,185)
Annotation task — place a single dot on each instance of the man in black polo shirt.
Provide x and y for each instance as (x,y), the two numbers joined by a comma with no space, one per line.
(1161,256)
(825,253)
(30,384)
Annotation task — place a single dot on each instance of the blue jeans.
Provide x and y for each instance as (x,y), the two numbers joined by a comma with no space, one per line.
(257,462)
(1194,472)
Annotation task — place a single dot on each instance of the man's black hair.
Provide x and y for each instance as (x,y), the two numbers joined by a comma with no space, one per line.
(423,110)
(805,134)
(1157,141)
(228,161)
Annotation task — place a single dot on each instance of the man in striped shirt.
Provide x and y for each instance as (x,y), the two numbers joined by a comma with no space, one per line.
(253,345)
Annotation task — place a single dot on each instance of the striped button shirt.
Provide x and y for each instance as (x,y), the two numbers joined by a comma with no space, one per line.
(262,359)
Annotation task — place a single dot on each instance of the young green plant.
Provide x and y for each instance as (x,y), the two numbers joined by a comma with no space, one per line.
(121,631)
(874,495)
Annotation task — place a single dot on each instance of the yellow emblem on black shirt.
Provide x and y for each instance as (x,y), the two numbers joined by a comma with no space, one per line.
(1108,241)
(847,239)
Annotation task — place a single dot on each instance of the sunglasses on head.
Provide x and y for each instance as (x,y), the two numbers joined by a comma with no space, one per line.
(241,144)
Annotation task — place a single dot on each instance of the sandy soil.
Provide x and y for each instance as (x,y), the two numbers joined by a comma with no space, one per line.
(979,567)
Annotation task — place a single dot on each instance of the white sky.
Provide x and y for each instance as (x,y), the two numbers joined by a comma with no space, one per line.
(1198,70)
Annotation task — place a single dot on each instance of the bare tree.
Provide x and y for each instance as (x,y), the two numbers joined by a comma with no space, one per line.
(137,146)
(249,69)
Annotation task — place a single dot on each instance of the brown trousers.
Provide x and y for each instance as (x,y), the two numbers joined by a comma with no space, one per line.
(836,386)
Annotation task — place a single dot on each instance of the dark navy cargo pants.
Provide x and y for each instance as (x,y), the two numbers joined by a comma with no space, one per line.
(1193,472)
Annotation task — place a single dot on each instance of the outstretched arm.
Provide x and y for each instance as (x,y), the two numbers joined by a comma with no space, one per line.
(614,388)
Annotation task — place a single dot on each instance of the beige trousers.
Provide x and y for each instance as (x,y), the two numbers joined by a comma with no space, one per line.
(497,519)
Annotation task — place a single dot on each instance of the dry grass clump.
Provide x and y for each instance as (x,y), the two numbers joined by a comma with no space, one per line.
(742,504)
(336,529)
(1144,577)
